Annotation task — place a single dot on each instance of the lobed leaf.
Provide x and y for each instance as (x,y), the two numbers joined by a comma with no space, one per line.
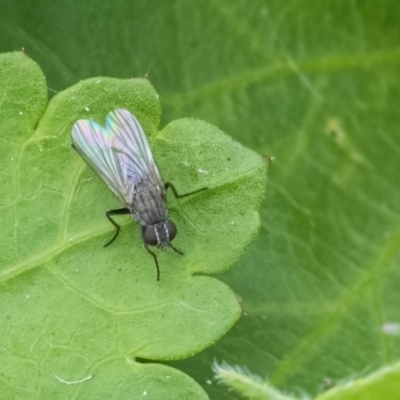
(73,310)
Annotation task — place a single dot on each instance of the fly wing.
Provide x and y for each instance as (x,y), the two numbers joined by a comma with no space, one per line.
(119,153)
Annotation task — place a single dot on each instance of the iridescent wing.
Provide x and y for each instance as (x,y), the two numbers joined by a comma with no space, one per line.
(118,152)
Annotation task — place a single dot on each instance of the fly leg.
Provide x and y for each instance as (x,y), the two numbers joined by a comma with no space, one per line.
(120,211)
(175,249)
(151,253)
(177,195)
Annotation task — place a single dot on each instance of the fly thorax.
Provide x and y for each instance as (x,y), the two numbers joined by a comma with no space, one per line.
(160,234)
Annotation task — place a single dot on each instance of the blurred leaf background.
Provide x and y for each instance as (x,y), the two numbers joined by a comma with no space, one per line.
(316,86)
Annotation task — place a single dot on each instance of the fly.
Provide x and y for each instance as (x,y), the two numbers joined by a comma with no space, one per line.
(120,154)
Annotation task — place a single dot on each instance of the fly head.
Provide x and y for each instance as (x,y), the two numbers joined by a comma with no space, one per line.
(160,234)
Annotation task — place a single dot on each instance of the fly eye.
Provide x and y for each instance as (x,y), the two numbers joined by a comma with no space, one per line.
(172,231)
(150,236)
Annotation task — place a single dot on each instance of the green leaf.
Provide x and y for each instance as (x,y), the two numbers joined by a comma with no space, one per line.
(74,311)
(248,385)
(314,84)
(382,384)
